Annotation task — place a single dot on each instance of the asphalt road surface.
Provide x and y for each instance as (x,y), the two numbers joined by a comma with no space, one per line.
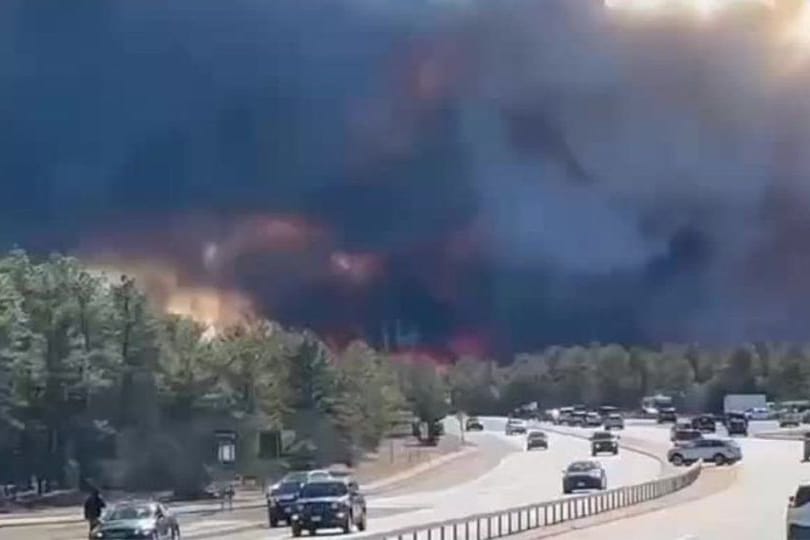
(521,477)
(752,508)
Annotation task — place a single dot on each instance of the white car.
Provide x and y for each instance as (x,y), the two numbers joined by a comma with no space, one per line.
(516,425)
(797,519)
(758,413)
(717,451)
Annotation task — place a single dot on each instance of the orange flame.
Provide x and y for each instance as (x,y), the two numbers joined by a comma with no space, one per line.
(215,308)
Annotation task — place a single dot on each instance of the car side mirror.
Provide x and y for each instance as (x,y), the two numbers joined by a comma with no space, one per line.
(791,500)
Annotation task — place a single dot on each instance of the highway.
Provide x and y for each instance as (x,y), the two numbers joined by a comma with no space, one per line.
(752,508)
(520,477)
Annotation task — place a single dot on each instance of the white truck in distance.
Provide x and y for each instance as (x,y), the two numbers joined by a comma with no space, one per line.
(744,402)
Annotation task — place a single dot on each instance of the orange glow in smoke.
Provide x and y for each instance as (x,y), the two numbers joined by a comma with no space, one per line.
(213,307)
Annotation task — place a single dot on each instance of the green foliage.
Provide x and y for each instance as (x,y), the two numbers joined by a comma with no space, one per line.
(90,370)
(425,390)
(697,377)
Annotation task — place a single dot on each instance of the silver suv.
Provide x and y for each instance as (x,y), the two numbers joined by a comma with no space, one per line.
(717,451)
(798,514)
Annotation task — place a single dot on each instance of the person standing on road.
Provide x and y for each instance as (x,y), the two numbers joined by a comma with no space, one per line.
(93,506)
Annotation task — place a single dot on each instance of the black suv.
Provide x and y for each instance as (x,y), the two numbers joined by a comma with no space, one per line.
(667,415)
(329,504)
(604,441)
(737,424)
(705,423)
(281,500)
(473,424)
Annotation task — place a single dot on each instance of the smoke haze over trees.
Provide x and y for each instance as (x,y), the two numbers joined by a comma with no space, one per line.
(92,375)
(493,176)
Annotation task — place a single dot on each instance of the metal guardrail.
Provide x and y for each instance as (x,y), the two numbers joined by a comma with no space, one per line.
(544,514)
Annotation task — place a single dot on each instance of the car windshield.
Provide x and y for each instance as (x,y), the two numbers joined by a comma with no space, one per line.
(537,435)
(582,466)
(602,436)
(293,477)
(118,513)
(324,489)
(286,488)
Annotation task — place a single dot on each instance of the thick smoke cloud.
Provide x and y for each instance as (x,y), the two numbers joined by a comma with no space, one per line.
(496,175)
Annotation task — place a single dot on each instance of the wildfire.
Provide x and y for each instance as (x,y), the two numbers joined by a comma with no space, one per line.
(215,308)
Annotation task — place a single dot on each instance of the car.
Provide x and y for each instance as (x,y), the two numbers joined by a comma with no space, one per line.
(704,423)
(790,419)
(318,475)
(329,504)
(607,410)
(718,451)
(577,418)
(536,439)
(758,413)
(564,415)
(604,441)
(473,424)
(281,499)
(294,476)
(614,421)
(681,435)
(593,419)
(797,517)
(679,426)
(516,426)
(667,415)
(584,475)
(736,424)
(134,519)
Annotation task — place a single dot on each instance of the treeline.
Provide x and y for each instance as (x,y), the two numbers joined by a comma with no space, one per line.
(92,376)
(696,377)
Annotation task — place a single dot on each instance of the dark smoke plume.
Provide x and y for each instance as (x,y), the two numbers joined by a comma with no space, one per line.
(479,176)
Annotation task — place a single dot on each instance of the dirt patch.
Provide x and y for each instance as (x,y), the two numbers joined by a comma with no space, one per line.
(398,455)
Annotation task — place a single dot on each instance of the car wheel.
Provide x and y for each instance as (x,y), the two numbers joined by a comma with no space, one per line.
(719,459)
(677,460)
(347,525)
(313,531)
(603,487)
(273,522)
(176,533)
(296,530)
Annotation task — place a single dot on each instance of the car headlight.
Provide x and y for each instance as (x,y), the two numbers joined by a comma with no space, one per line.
(335,506)
(145,533)
(98,534)
(596,474)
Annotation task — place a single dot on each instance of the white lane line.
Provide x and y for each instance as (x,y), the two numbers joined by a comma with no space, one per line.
(688,537)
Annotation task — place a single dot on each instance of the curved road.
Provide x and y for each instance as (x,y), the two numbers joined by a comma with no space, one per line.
(519,478)
(751,508)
